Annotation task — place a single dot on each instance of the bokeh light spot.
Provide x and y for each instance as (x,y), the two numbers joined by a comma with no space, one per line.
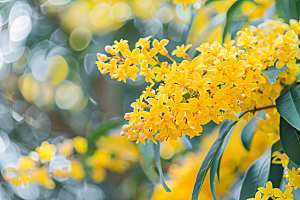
(58,69)
(68,95)
(20,28)
(120,12)
(80,38)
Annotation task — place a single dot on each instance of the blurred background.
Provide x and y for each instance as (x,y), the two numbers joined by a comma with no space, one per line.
(51,89)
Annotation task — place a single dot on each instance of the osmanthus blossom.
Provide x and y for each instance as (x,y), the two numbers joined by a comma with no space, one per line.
(214,86)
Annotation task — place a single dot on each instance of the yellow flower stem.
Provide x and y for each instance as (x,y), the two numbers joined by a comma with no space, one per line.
(257,109)
(187,57)
(247,49)
(167,55)
(263,108)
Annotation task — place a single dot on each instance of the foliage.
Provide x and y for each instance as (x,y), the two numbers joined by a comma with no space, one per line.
(246,79)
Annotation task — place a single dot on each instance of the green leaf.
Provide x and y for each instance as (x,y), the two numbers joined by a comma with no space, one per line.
(208,2)
(158,164)
(186,34)
(269,13)
(218,169)
(249,130)
(147,152)
(209,158)
(288,105)
(150,173)
(205,31)
(217,160)
(229,17)
(290,140)
(102,130)
(256,176)
(276,170)
(283,10)
(273,72)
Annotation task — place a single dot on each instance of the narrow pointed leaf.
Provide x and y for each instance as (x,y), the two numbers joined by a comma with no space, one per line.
(276,170)
(205,31)
(150,173)
(249,130)
(256,176)
(210,156)
(288,105)
(229,17)
(186,34)
(187,143)
(218,169)
(290,140)
(217,161)
(147,152)
(158,164)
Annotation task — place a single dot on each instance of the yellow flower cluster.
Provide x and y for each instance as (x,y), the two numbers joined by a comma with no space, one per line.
(274,193)
(215,85)
(36,166)
(115,154)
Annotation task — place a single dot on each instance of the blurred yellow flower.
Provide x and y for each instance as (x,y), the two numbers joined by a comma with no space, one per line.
(80,144)
(46,151)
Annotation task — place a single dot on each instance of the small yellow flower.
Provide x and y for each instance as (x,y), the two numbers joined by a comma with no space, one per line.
(121,46)
(269,191)
(77,172)
(147,72)
(148,56)
(26,163)
(42,177)
(46,151)
(181,50)
(160,46)
(219,100)
(257,196)
(80,144)
(66,148)
(143,42)
(151,117)
(286,195)
(280,158)
(286,58)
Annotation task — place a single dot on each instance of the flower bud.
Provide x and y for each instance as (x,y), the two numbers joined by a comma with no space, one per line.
(99,56)
(127,116)
(123,133)
(140,124)
(129,138)
(108,48)
(103,57)
(104,71)
(125,128)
